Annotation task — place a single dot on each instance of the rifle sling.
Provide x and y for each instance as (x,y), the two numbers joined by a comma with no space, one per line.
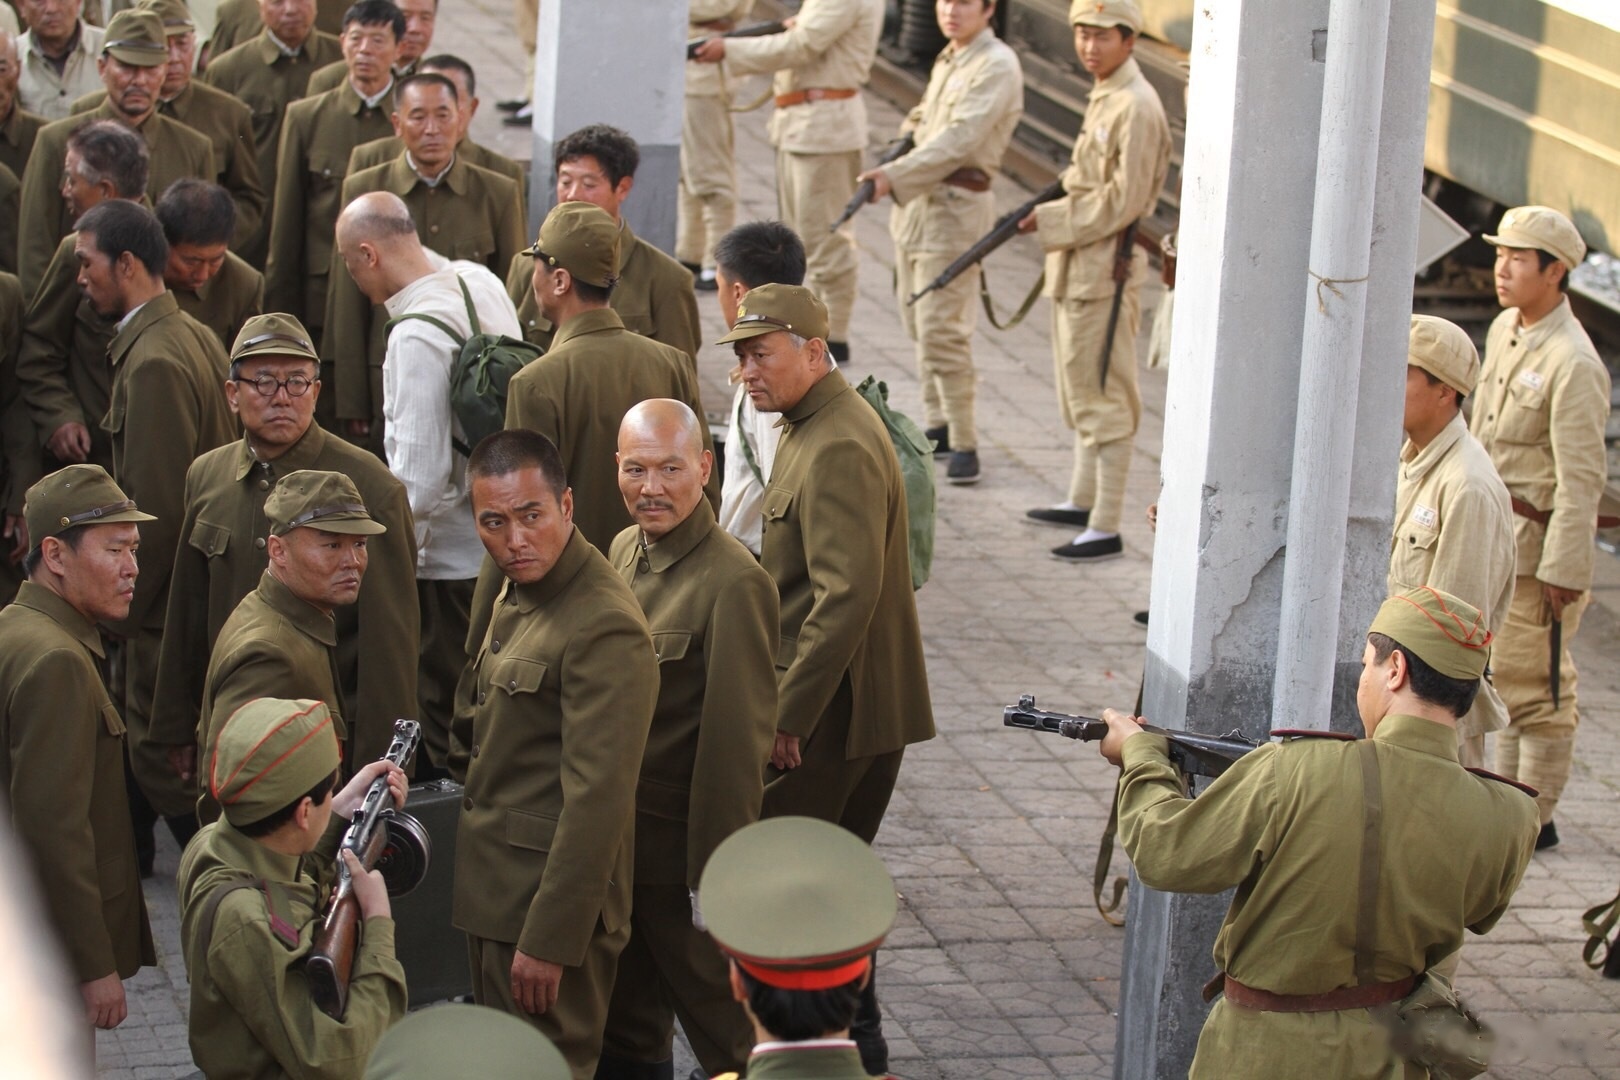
(1105,858)
(1599,952)
(1372,800)
(274,902)
(742,440)
(1023,309)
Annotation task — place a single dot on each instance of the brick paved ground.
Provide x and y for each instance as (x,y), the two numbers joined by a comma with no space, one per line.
(999,966)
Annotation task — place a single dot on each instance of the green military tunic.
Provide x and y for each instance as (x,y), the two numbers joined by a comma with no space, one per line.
(220,559)
(20,465)
(382,151)
(470,214)
(10,213)
(62,765)
(813,1059)
(1283,826)
(17,137)
(226,300)
(332,75)
(713,615)
(237,21)
(251,1010)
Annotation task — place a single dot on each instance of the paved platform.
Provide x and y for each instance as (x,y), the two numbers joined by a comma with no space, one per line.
(999,966)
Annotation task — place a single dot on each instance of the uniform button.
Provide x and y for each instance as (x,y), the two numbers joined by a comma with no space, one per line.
(258,542)
(511,684)
(433,229)
(495,647)
(474,749)
(481,697)
(466,804)
(264,485)
(643,566)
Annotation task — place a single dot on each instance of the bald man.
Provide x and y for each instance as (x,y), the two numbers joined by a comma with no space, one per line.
(713,615)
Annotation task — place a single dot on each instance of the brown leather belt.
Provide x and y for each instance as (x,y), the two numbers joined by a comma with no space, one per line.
(1541,517)
(803,97)
(969,178)
(1353,997)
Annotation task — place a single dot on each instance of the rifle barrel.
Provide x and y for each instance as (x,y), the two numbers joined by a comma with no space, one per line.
(1005,228)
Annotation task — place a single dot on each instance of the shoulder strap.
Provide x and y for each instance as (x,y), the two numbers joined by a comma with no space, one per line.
(275,903)
(211,906)
(431,321)
(472,312)
(1372,800)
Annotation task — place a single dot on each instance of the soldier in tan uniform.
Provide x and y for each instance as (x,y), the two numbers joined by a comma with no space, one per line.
(713,615)
(566,685)
(61,739)
(1540,412)
(212,283)
(1305,955)
(1453,526)
(653,297)
(253,887)
(943,205)
(132,69)
(707,196)
(420,16)
(1113,179)
(819,131)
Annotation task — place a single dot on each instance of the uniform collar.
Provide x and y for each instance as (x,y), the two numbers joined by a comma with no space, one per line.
(1123,75)
(402,178)
(241,852)
(159,307)
(977,45)
(80,44)
(567,567)
(11,130)
(300,455)
(826,388)
(353,103)
(1416,463)
(813,1057)
(272,48)
(300,612)
(1416,733)
(594,321)
(679,541)
(106,111)
(1551,325)
(181,101)
(31,594)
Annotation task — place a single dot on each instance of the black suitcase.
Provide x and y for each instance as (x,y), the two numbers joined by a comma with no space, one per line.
(432,951)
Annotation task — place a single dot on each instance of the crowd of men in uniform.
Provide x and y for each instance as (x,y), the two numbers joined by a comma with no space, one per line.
(237,303)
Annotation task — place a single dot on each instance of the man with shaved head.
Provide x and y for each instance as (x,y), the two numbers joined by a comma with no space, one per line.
(713,615)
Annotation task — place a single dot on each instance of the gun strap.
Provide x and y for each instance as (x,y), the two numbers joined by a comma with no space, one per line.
(274,902)
(742,440)
(1023,309)
(1599,952)
(1372,801)
(768,95)
(1105,858)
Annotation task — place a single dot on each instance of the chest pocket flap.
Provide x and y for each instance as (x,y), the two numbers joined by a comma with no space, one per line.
(1524,414)
(1412,536)
(531,831)
(778,501)
(211,540)
(473,246)
(517,675)
(671,644)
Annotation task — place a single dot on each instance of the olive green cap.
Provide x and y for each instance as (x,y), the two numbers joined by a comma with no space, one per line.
(1444,350)
(1106,13)
(770,308)
(73,496)
(274,334)
(135,36)
(327,501)
(464,1040)
(176,17)
(1444,632)
(1543,229)
(583,239)
(267,754)
(797,902)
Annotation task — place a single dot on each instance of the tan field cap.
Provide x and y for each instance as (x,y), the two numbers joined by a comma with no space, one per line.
(273,335)
(327,501)
(270,751)
(136,37)
(1444,350)
(1541,228)
(770,308)
(464,1040)
(1444,632)
(1106,13)
(581,238)
(76,495)
(175,15)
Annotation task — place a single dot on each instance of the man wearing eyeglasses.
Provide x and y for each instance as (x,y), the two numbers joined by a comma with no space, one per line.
(272,388)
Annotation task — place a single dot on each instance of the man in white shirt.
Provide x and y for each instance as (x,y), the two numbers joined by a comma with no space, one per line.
(377,241)
(59,54)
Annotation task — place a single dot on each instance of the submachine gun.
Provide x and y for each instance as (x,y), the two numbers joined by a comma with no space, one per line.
(759,29)
(863,193)
(383,839)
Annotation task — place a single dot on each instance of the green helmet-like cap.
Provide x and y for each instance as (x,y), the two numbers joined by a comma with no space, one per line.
(464,1040)
(327,501)
(274,334)
(583,239)
(769,308)
(73,496)
(1444,632)
(175,15)
(135,36)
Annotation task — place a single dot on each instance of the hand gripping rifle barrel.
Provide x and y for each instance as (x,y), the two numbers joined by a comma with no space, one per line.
(863,194)
(376,825)
(1005,228)
(1190,752)
(759,29)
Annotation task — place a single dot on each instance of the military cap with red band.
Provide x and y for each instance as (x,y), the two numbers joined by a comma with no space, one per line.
(270,751)
(1444,632)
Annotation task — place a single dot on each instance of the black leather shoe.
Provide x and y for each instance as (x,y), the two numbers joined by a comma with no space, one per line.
(522,118)
(513,105)
(706,281)
(1090,551)
(840,351)
(963,467)
(1548,837)
(1140,618)
(1057,515)
(941,438)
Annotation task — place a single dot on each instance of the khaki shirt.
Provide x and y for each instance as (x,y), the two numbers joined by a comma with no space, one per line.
(713,615)
(177,151)
(708,80)
(965,120)
(654,297)
(17,137)
(44,92)
(472,214)
(831,47)
(221,556)
(1454,531)
(168,406)
(382,151)
(1540,411)
(836,545)
(62,770)
(1114,178)
(227,300)
(1283,825)
(251,1011)
(566,684)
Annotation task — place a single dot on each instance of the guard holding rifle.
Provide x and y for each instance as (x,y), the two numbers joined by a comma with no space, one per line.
(1093,276)
(941,189)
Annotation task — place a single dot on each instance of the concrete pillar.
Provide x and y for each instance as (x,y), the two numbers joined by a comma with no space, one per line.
(1232,422)
(619,64)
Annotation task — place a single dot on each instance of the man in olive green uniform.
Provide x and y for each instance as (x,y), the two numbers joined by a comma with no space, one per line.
(253,887)
(458,71)
(463,212)
(420,16)
(132,68)
(1453,526)
(713,615)
(237,21)
(18,127)
(1113,179)
(212,284)
(455,1039)
(943,205)
(61,740)
(1541,409)
(225,539)
(653,297)
(214,113)
(1305,953)
(819,131)
(798,906)
(19,445)
(168,406)
(268,73)
(566,685)
(707,197)
(282,639)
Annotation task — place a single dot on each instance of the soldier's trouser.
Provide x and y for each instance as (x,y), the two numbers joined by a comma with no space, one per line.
(1103,416)
(526,18)
(851,792)
(1346,1044)
(574,1024)
(671,968)
(446,609)
(164,790)
(1539,742)
(707,195)
(811,190)
(941,324)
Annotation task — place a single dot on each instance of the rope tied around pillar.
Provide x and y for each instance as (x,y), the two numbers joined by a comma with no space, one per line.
(1331,285)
